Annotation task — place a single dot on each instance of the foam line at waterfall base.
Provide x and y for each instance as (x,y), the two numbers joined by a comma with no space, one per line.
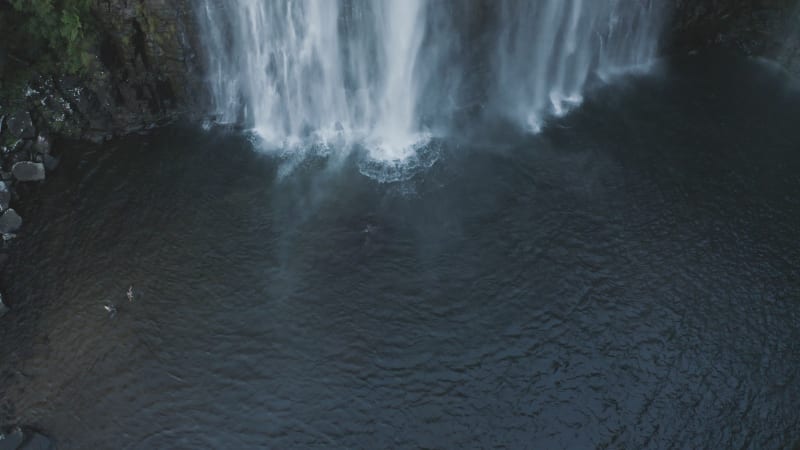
(379,158)
(391,165)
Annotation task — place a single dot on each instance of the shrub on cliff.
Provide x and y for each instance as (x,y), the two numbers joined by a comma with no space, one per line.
(60,31)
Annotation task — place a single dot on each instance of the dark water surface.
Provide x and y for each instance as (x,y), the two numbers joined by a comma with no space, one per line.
(630,278)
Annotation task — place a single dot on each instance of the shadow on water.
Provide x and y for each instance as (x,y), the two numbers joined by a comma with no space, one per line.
(628,278)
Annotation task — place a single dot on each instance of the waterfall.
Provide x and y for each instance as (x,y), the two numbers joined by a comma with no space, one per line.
(312,70)
(385,73)
(548,49)
(275,66)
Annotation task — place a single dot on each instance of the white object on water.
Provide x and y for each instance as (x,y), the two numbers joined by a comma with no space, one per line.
(111,309)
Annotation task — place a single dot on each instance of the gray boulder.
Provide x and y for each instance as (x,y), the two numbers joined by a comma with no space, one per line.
(20,125)
(5,196)
(10,221)
(28,171)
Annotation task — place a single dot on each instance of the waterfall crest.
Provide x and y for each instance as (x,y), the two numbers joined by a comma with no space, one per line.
(385,73)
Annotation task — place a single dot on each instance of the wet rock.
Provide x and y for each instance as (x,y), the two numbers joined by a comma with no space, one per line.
(13,146)
(10,160)
(50,162)
(19,124)
(10,221)
(36,441)
(97,137)
(146,67)
(5,196)
(28,171)
(42,145)
(24,439)
(13,439)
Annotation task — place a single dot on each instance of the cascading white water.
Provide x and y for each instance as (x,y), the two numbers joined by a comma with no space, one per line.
(311,70)
(548,49)
(275,66)
(301,72)
(395,130)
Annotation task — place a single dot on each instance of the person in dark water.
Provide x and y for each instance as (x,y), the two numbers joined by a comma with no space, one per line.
(112,310)
(129,294)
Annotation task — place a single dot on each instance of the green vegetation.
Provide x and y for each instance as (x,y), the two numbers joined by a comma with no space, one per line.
(49,35)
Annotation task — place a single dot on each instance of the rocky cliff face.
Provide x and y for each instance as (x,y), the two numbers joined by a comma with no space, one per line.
(768,28)
(145,71)
(150,50)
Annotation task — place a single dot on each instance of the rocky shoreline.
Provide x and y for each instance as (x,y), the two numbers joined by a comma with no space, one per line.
(26,158)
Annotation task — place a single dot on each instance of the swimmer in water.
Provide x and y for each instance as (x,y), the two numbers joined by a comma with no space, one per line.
(129,294)
(112,310)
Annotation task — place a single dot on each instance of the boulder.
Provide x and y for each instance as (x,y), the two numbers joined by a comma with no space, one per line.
(28,171)
(14,158)
(5,196)
(10,221)
(42,145)
(13,146)
(50,162)
(20,125)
